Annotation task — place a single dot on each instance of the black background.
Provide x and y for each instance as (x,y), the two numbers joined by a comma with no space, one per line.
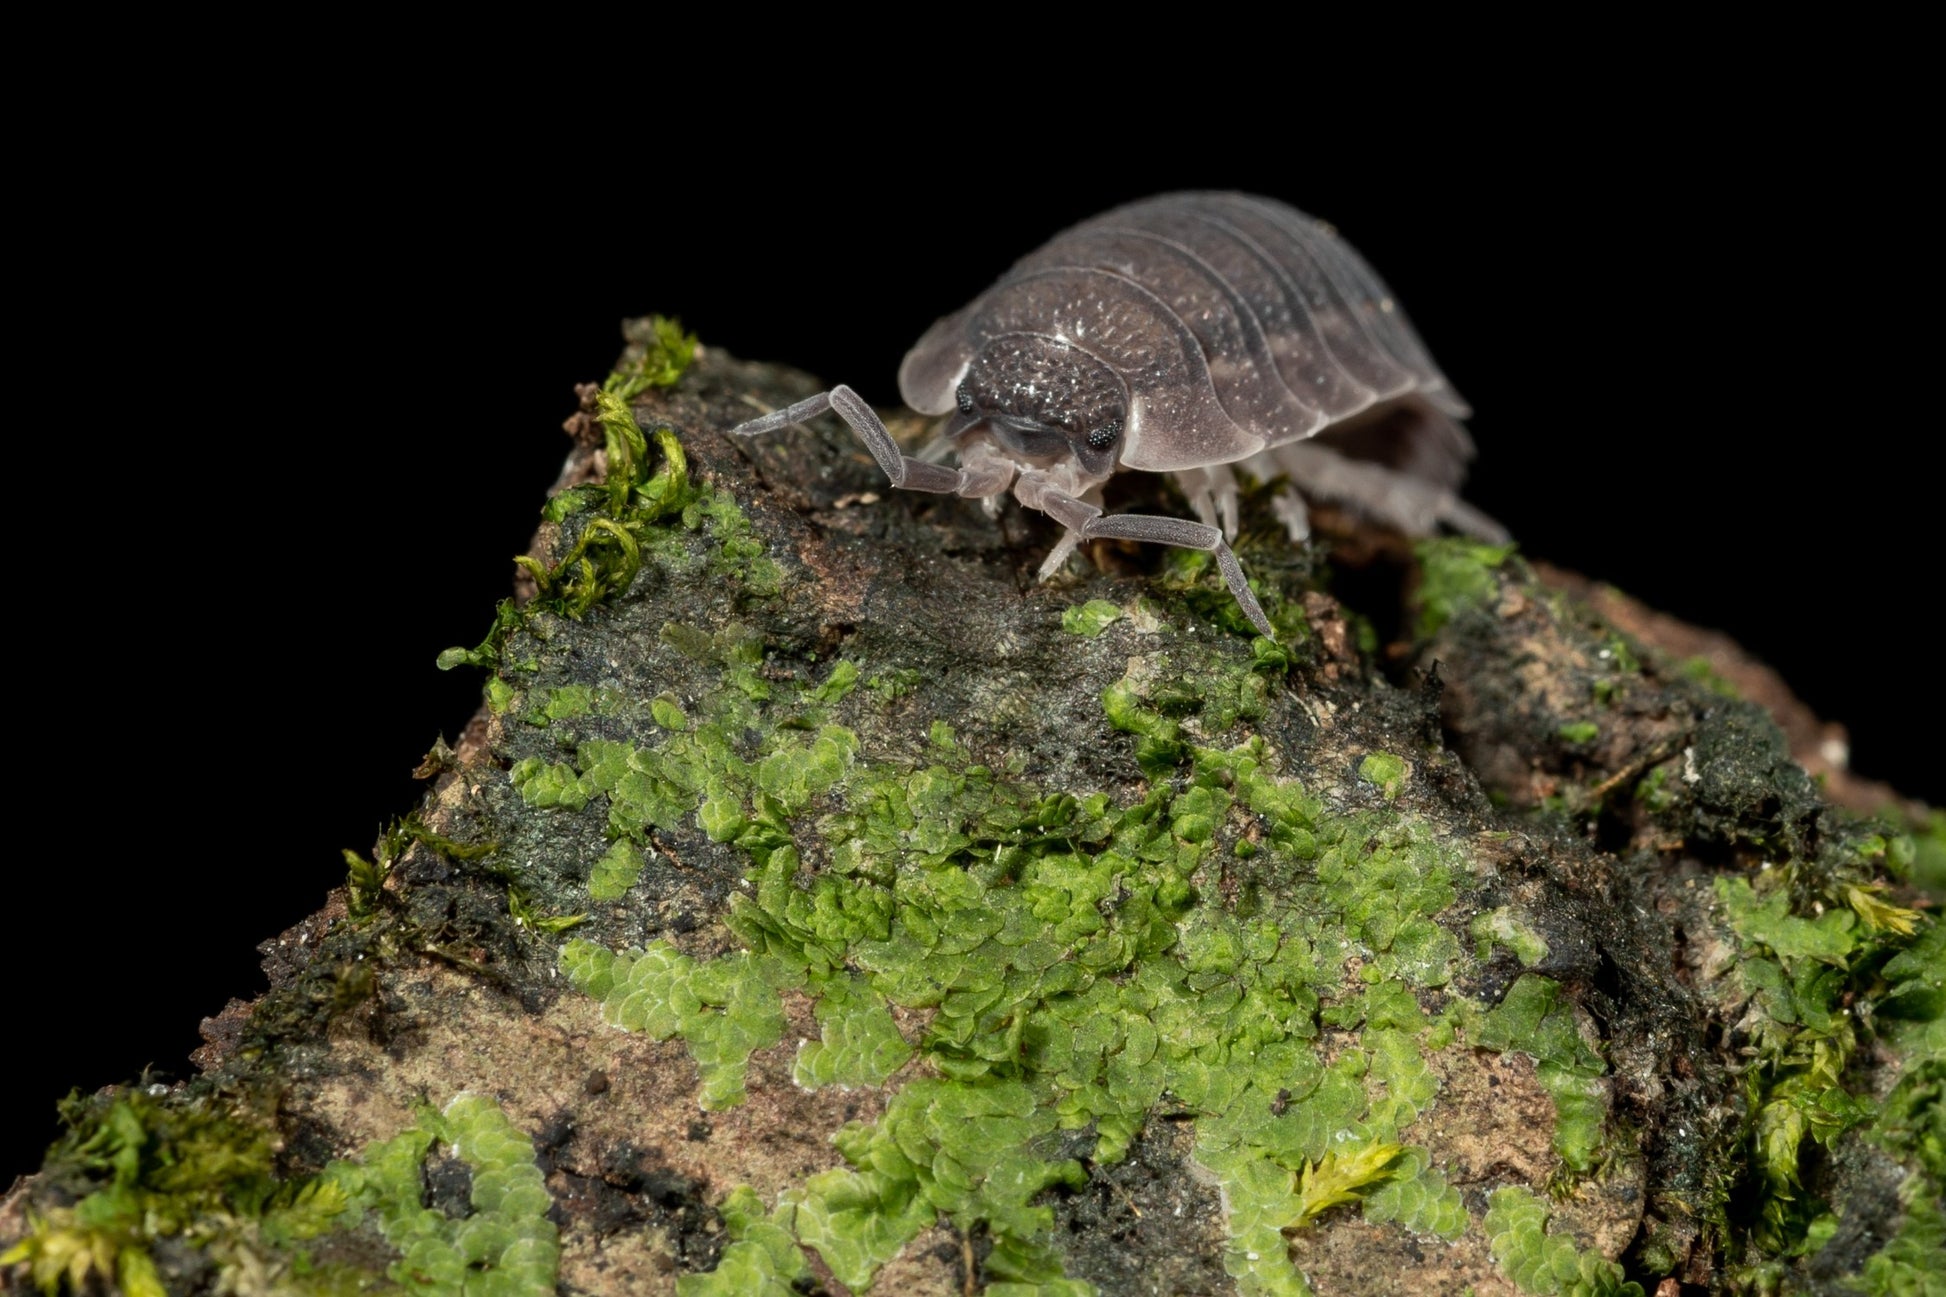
(293,408)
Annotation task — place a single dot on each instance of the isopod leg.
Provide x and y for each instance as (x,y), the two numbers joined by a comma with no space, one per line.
(903,470)
(1412,504)
(1464,518)
(1288,505)
(809,408)
(1212,493)
(1092,524)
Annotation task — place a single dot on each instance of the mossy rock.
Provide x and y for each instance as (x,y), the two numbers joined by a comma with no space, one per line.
(819,904)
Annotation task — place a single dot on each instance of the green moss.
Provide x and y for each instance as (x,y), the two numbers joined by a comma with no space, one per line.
(1221,692)
(1580,732)
(842,679)
(1384,770)
(1920,857)
(365,879)
(1910,1122)
(413,829)
(1342,1176)
(859,1044)
(565,703)
(610,529)
(1157,749)
(1699,670)
(668,713)
(1074,977)
(1913,1262)
(1536,1017)
(525,914)
(137,1171)
(1080,963)
(892,684)
(615,872)
(1541,1263)
(505,1247)
(762,1260)
(544,785)
(1619,655)
(1201,596)
(1455,575)
(499,694)
(1403,1082)
(724,1009)
(658,353)
(1091,618)
(738,554)
(1506,926)
(1418,1197)
(364,883)
(1819,985)
(1765,919)
(507,618)
(1655,793)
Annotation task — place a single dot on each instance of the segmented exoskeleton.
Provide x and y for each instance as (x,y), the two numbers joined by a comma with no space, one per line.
(1186,333)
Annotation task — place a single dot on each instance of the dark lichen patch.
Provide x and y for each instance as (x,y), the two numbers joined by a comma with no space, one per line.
(1551,706)
(1148,1223)
(1701,791)
(636,1189)
(1560,712)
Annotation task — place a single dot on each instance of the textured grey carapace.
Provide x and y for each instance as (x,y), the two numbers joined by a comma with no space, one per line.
(1186,333)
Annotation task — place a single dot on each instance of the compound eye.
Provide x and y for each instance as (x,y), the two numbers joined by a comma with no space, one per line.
(965,399)
(1103,437)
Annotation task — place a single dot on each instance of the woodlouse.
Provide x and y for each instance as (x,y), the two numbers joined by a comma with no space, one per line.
(1185,334)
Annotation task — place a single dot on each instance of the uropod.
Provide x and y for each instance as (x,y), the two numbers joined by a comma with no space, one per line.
(1185,334)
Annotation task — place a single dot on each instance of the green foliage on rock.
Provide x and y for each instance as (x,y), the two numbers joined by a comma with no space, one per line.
(144,1173)
(204,1175)
(1545,1264)
(1091,618)
(505,1246)
(1455,575)
(1537,1018)
(1075,975)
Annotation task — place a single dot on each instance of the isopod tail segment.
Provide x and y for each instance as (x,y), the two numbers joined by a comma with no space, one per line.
(984,477)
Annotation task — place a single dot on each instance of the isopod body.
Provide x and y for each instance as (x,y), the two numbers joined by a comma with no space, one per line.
(1185,333)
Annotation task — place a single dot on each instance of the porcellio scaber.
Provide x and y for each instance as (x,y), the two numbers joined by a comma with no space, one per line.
(1186,334)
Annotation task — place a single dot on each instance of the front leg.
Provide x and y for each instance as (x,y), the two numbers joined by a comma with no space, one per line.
(984,478)
(1085,520)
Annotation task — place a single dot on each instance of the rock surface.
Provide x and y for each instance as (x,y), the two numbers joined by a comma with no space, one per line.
(820,904)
